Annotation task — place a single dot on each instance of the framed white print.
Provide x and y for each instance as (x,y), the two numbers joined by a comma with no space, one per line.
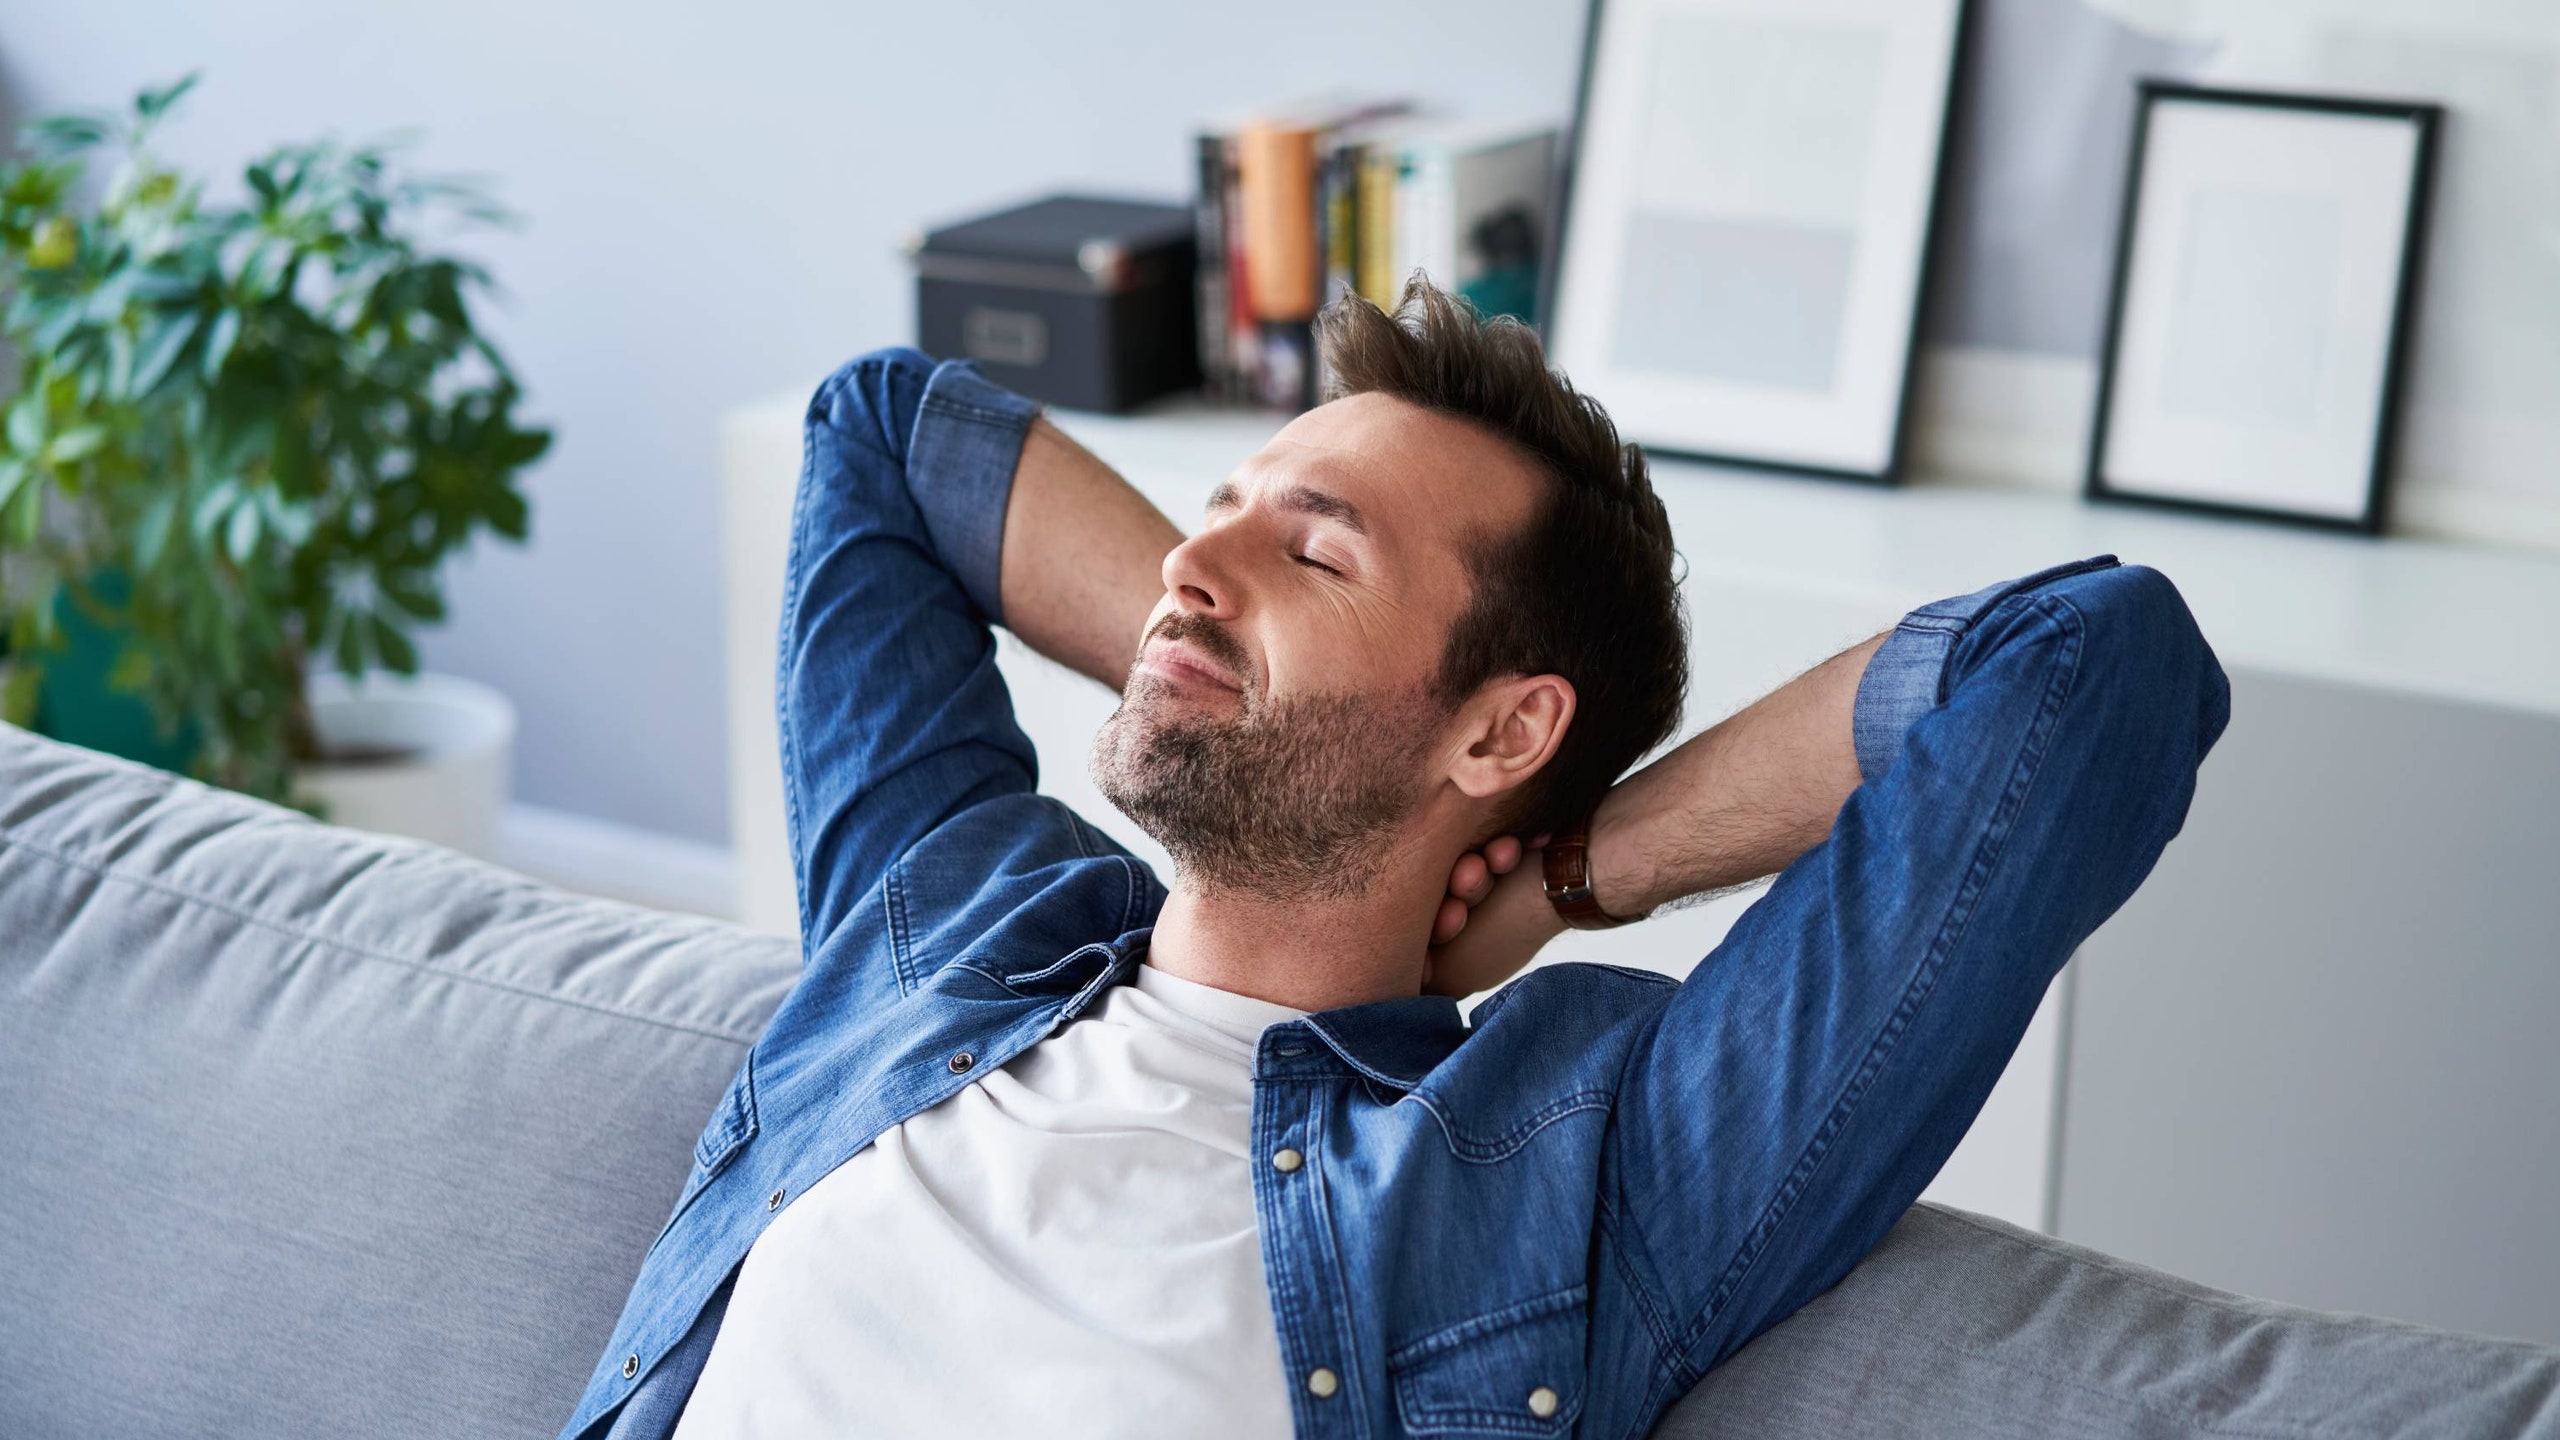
(2266,267)
(1745,232)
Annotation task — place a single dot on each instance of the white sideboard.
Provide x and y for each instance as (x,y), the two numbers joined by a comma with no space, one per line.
(1780,573)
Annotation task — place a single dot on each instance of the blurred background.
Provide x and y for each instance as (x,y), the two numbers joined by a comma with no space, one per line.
(715,206)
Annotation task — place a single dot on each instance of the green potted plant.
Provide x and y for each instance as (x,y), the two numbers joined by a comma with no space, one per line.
(240,441)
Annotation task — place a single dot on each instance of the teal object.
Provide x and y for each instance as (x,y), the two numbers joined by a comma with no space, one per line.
(75,703)
(1507,290)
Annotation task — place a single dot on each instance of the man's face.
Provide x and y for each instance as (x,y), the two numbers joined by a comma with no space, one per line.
(1279,727)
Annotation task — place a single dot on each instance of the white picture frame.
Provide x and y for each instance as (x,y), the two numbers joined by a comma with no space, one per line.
(1746,226)
(2257,329)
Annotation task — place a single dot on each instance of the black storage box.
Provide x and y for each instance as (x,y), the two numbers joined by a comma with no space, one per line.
(1078,300)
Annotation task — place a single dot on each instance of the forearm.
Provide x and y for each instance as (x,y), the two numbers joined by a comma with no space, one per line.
(1736,802)
(1083,557)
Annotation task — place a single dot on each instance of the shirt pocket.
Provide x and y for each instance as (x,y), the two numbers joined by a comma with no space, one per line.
(1514,1371)
(732,1124)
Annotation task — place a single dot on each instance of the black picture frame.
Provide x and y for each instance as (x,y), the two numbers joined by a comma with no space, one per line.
(1959,66)
(2426,118)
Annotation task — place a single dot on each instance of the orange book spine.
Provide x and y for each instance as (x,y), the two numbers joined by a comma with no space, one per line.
(1276,175)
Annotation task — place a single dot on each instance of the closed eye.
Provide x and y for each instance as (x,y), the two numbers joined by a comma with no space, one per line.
(1313,562)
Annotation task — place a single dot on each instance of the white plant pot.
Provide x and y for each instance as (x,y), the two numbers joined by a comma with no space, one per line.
(447,745)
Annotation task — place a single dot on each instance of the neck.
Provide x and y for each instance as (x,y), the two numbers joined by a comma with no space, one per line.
(1308,954)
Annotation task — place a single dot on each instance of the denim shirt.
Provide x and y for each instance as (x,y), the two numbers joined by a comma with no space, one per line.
(1550,1221)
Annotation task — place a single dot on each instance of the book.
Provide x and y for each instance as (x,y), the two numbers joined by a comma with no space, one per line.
(1375,224)
(1262,211)
(1284,271)
(1214,157)
(1473,208)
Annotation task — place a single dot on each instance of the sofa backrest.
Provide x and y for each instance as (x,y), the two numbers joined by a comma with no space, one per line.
(307,1132)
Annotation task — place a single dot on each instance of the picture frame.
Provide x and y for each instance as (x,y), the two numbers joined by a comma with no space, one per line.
(2269,252)
(1747,221)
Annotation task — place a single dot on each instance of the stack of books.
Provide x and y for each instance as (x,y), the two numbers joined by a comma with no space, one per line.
(1302,205)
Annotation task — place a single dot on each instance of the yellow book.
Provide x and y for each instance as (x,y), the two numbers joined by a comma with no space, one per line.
(1377,227)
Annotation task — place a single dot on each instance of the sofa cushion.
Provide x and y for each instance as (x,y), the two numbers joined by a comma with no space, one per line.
(310,1132)
(1959,1327)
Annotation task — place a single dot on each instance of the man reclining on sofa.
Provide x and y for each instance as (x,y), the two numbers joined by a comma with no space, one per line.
(1038,1142)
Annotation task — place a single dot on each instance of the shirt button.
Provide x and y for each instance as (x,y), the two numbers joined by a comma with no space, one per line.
(773,1201)
(1321,1383)
(1542,1402)
(1285,1160)
(630,1366)
(961,1062)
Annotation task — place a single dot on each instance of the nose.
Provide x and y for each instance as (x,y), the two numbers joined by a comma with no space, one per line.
(1196,577)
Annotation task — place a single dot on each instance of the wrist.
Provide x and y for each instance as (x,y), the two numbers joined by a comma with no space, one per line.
(1571,884)
(1617,868)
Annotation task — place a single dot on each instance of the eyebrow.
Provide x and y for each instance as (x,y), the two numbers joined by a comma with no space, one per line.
(1304,499)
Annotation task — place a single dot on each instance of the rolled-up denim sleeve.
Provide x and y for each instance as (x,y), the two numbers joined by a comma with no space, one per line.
(2028,752)
(892,714)
(1907,676)
(968,434)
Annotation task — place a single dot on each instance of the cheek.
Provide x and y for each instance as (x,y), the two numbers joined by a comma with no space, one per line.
(1337,642)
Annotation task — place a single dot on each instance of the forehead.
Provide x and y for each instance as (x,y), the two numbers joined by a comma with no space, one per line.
(1403,475)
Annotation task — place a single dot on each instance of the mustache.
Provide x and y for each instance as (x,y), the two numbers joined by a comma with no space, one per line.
(1209,635)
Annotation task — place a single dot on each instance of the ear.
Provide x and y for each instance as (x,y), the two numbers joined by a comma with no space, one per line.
(1510,729)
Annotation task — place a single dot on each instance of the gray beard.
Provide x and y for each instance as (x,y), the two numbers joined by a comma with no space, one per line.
(1294,799)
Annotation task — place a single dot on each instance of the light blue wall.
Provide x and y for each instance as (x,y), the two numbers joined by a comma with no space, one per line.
(715,197)
(716,194)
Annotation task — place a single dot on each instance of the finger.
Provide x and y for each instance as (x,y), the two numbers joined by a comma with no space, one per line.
(1503,854)
(1539,842)
(1469,880)
(1451,919)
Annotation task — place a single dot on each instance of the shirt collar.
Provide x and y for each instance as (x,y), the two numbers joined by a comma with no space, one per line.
(1395,1042)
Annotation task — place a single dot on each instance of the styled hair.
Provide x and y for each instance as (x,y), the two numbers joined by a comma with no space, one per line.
(1584,589)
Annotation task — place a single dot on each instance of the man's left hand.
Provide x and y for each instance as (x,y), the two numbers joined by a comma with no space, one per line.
(1494,919)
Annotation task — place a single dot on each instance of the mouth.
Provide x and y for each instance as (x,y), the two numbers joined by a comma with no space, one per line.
(1181,664)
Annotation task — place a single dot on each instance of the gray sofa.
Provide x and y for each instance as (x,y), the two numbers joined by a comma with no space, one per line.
(307,1132)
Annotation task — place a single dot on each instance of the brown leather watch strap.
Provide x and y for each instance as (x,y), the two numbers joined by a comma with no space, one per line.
(1568,867)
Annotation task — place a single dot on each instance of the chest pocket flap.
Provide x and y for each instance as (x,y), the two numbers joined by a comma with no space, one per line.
(1517,1371)
(732,1123)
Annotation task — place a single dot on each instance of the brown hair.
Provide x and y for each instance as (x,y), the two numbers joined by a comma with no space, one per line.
(1584,589)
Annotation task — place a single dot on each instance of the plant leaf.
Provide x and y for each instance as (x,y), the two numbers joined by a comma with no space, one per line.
(240,534)
(151,531)
(62,134)
(413,592)
(161,346)
(72,446)
(350,649)
(211,506)
(20,682)
(394,647)
(23,520)
(218,342)
(26,428)
(507,514)
(152,104)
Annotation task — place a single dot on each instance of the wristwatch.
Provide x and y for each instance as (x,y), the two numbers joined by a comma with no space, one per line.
(1568,867)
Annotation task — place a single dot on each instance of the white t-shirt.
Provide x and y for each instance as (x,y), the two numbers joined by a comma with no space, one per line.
(1065,1248)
